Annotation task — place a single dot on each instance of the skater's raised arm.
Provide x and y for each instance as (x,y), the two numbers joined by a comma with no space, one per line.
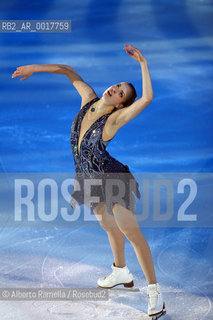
(86,92)
(126,114)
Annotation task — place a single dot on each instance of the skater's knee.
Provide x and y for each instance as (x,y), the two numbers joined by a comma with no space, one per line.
(133,234)
(128,232)
(107,221)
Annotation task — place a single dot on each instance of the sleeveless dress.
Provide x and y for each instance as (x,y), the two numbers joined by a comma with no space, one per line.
(116,184)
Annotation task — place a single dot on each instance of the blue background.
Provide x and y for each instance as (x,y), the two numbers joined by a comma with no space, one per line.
(173,134)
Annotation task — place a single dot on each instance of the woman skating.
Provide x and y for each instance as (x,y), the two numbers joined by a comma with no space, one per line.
(93,127)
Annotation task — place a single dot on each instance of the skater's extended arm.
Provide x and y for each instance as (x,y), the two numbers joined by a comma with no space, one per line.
(85,91)
(126,114)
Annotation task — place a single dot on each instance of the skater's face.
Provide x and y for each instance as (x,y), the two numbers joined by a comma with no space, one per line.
(117,94)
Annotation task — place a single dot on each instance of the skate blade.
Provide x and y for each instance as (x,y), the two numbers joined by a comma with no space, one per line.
(157,316)
(121,289)
(126,290)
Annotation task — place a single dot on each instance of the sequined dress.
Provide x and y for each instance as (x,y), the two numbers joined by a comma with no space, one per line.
(94,162)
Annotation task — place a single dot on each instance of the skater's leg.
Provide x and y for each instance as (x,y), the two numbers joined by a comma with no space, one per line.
(115,236)
(127,223)
(117,243)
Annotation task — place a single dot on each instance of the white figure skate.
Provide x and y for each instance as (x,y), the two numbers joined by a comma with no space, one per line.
(156,306)
(119,276)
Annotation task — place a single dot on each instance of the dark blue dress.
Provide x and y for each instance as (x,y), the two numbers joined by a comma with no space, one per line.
(116,183)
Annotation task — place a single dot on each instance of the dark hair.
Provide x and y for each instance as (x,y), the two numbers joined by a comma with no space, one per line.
(131,97)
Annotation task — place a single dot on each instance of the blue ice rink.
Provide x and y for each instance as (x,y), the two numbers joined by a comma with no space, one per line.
(172,135)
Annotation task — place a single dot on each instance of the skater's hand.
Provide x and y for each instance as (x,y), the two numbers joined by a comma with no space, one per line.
(25,71)
(137,55)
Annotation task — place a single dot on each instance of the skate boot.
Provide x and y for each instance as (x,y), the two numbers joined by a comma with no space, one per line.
(117,277)
(156,306)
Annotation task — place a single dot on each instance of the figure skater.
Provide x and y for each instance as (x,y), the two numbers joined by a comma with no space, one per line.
(93,127)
